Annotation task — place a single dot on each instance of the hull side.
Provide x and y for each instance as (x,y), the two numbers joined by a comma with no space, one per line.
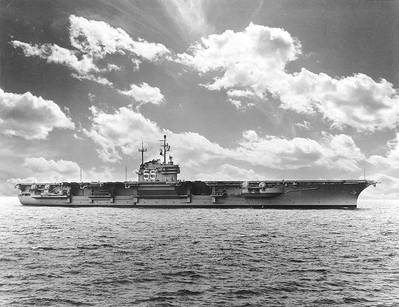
(294,194)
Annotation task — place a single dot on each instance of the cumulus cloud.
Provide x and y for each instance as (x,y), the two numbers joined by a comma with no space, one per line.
(391,159)
(83,65)
(97,38)
(93,40)
(255,60)
(136,64)
(357,101)
(240,93)
(121,132)
(113,67)
(236,95)
(41,169)
(243,57)
(94,78)
(29,116)
(40,165)
(53,53)
(332,151)
(144,93)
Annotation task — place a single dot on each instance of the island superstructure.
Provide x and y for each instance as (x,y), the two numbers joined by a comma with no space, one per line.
(158,186)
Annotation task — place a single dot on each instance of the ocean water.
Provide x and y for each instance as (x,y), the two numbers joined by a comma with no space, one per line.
(199,257)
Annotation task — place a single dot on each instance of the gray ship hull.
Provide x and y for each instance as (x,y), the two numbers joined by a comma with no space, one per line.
(211,194)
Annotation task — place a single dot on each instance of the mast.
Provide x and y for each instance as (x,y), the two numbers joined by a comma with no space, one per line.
(142,150)
(165,148)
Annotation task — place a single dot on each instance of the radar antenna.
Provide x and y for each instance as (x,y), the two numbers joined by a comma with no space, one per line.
(165,148)
(142,150)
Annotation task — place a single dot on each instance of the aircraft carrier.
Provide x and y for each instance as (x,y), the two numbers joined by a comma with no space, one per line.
(158,186)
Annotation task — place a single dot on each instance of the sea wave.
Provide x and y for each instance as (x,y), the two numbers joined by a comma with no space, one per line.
(114,257)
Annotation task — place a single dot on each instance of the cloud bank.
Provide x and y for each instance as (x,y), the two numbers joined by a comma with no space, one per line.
(29,116)
(122,131)
(255,61)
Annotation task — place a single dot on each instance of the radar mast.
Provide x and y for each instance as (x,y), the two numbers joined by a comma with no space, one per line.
(165,148)
(142,150)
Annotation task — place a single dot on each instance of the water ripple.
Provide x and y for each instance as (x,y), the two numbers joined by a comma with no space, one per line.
(107,256)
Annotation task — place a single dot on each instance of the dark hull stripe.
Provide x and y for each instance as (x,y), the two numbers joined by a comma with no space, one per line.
(203,206)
